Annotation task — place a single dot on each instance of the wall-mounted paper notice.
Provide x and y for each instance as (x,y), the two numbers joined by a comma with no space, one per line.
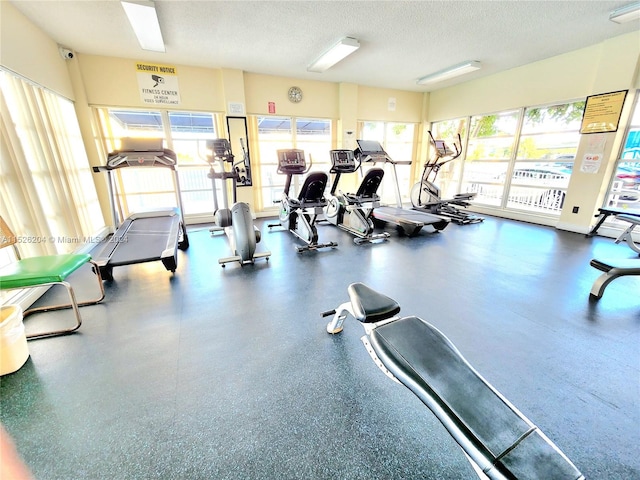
(591,162)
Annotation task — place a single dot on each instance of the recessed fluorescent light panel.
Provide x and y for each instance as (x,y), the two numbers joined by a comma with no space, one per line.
(340,50)
(626,14)
(451,72)
(144,21)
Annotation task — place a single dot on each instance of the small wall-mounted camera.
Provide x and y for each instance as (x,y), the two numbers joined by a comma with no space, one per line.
(65,53)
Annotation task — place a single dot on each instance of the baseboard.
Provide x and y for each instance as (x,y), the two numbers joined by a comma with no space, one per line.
(570,227)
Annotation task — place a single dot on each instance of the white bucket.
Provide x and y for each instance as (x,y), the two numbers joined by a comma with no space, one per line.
(13,340)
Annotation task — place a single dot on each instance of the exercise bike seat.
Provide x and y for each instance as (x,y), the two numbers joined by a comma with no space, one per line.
(313,188)
(499,439)
(370,183)
(370,306)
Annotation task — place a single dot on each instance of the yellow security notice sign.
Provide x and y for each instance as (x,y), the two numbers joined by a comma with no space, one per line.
(602,112)
(158,84)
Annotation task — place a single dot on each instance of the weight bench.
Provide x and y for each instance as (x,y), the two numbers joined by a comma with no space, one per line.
(498,440)
(605,212)
(612,268)
(626,235)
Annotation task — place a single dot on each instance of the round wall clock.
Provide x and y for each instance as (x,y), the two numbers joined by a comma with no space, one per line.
(295,94)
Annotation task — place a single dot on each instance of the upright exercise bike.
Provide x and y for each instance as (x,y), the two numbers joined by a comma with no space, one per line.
(236,222)
(352,212)
(299,215)
(425,195)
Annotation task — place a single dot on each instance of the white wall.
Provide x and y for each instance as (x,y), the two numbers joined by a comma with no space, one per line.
(28,51)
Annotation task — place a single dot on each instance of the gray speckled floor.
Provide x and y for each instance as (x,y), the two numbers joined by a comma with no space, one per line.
(229,374)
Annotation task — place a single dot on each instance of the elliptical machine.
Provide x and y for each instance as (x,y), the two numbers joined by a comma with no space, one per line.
(425,195)
(352,212)
(236,222)
(299,215)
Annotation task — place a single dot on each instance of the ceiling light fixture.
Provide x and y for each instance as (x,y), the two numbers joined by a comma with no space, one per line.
(337,52)
(626,14)
(144,21)
(455,71)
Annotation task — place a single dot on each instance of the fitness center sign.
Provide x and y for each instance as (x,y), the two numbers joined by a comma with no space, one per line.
(158,84)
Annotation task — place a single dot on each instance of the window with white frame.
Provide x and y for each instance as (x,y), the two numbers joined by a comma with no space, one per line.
(398,140)
(186,133)
(523,159)
(448,174)
(312,135)
(544,161)
(491,143)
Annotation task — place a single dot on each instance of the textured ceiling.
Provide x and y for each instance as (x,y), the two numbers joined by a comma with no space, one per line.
(400,41)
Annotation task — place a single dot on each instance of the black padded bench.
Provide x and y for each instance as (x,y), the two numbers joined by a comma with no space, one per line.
(612,268)
(499,441)
(605,212)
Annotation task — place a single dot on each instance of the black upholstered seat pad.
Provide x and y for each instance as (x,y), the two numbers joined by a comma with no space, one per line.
(370,306)
(432,361)
(426,361)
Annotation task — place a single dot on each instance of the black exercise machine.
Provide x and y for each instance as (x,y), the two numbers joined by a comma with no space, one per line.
(498,440)
(236,222)
(145,236)
(352,212)
(425,195)
(410,222)
(299,215)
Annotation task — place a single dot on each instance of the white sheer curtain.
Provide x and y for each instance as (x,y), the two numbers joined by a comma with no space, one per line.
(47,192)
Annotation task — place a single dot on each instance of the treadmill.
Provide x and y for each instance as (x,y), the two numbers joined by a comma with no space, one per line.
(409,221)
(146,236)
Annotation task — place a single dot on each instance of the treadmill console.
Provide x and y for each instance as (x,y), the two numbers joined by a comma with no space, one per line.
(291,161)
(370,151)
(342,161)
(140,152)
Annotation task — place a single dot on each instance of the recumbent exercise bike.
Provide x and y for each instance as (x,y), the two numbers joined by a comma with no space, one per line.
(299,215)
(352,212)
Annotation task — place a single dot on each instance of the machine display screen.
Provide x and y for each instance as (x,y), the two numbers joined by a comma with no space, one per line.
(440,145)
(342,158)
(370,146)
(220,146)
(290,157)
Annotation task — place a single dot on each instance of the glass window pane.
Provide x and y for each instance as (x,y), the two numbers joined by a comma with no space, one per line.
(489,151)
(546,151)
(192,125)
(448,175)
(397,139)
(135,123)
(189,133)
(551,132)
(624,191)
(312,135)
